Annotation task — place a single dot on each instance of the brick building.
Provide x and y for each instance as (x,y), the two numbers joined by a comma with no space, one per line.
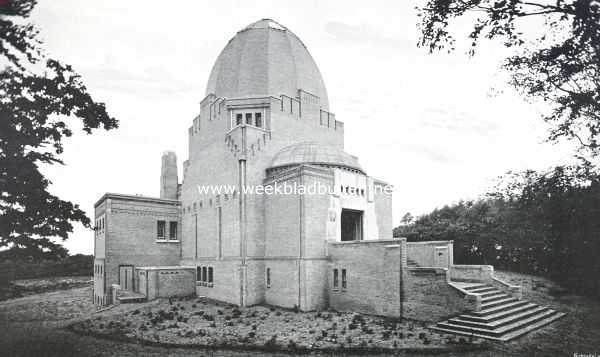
(265,123)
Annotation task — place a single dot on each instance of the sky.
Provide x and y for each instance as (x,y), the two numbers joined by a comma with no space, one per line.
(438,127)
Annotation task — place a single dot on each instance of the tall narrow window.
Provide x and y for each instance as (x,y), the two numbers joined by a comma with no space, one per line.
(238,119)
(219,232)
(335,279)
(268,277)
(204,274)
(258,119)
(344,285)
(160,230)
(173,230)
(210,276)
(198,273)
(249,118)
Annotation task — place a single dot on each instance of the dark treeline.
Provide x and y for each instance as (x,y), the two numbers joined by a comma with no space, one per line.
(17,267)
(531,222)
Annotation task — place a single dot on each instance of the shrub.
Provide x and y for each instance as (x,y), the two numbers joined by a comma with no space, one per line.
(271,343)
(366,329)
(292,345)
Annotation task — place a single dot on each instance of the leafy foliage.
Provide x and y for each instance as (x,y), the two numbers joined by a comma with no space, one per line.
(556,60)
(38,96)
(545,223)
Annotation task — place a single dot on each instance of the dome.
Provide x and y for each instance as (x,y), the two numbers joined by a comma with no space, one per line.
(316,154)
(265,58)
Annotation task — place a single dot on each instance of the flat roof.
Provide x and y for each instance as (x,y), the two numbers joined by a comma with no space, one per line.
(167,267)
(138,198)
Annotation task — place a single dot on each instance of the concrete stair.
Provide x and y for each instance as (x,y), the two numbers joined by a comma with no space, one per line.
(501,318)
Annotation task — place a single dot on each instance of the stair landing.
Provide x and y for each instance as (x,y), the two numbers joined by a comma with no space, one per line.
(502,317)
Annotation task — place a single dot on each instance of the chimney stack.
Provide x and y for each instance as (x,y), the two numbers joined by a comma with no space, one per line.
(168,176)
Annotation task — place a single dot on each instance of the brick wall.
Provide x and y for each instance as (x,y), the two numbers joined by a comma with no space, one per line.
(131,232)
(157,282)
(423,253)
(373,277)
(383,212)
(427,296)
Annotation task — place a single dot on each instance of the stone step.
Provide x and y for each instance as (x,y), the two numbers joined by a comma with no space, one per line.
(476,286)
(499,308)
(507,336)
(499,315)
(493,297)
(129,297)
(484,290)
(497,302)
(498,332)
(491,325)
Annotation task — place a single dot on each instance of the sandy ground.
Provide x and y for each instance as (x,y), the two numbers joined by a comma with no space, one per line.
(37,326)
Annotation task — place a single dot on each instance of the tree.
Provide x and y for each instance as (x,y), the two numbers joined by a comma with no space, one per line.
(38,97)
(407,218)
(556,60)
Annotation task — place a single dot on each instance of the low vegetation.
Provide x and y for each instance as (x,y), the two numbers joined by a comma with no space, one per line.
(203,322)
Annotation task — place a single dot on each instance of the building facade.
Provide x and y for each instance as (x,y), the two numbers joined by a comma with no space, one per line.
(244,227)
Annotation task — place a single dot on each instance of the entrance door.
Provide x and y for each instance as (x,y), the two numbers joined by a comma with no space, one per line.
(126,277)
(352,225)
(441,257)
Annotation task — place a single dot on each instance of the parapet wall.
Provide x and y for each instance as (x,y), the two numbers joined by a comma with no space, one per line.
(368,277)
(424,253)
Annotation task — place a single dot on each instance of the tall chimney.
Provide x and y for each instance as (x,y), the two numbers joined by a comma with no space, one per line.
(168,176)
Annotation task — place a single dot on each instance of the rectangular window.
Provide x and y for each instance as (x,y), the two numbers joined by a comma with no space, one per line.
(344,285)
(249,118)
(238,119)
(160,230)
(335,279)
(198,273)
(268,277)
(258,119)
(173,230)
(210,276)
(204,274)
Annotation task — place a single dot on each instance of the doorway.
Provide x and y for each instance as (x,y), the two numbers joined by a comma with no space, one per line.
(126,277)
(352,225)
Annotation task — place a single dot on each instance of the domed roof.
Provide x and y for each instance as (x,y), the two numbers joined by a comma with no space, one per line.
(316,154)
(265,58)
